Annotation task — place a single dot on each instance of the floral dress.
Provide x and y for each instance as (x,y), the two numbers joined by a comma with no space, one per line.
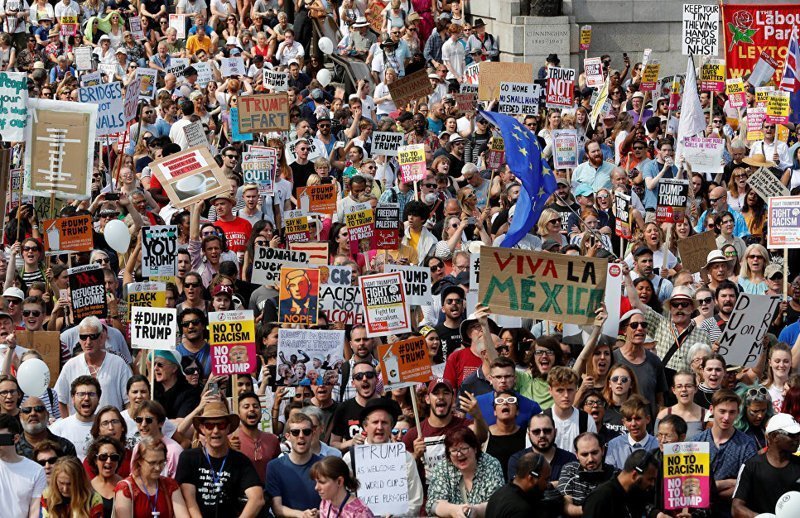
(447,483)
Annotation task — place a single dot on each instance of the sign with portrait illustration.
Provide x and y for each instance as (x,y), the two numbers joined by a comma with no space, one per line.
(298,299)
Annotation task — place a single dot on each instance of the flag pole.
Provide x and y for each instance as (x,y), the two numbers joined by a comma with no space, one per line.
(593,232)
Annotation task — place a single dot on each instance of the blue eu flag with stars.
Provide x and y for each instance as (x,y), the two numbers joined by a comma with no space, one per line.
(524,158)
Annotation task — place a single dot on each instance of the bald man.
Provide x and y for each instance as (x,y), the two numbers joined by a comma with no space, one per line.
(718,199)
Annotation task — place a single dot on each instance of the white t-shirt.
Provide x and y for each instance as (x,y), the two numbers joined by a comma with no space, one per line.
(21,483)
(115,344)
(177,135)
(113,376)
(75,431)
(569,429)
(198,6)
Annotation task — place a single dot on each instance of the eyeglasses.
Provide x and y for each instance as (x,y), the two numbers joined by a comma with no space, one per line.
(395,431)
(544,352)
(91,336)
(361,375)
(595,402)
(140,420)
(756,392)
(429,185)
(620,379)
(705,301)
(637,325)
(297,431)
(216,426)
(459,451)
(30,249)
(102,260)
(6,393)
(541,431)
(453,302)
(511,400)
(110,422)
(50,460)
(155,463)
(90,395)
(113,457)
(28,409)
(680,304)
(31,313)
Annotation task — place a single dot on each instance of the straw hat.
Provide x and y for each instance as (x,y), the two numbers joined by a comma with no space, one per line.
(216,410)
(759,160)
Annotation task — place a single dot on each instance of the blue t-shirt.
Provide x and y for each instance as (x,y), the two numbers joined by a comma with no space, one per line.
(292,483)
(651,170)
(790,333)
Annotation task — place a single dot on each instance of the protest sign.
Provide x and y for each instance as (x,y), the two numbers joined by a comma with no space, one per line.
(145,295)
(131,100)
(316,149)
(737,95)
(386,310)
(755,122)
(177,66)
(360,222)
(700,35)
(622,204)
(381,469)
(195,134)
(178,22)
(203,73)
(232,336)
(473,74)
(233,67)
(704,154)
(687,475)
(296,227)
(268,262)
(387,226)
(110,111)
(560,87)
(466,101)
(319,199)
(694,250)
(742,339)
(417,283)
(410,88)
(712,76)
(59,150)
(586,37)
(762,95)
(766,185)
(673,200)
(47,344)
(542,285)
(88,291)
(519,98)
(386,143)
(493,73)
(495,156)
(600,104)
(68,234)
(91,78)
(277,81)
(135,25)
(68,25)
(412,162)
(650,76)
(309,355)
(404,362)
(83,58)
(317,253)
(298,296)
(593,68)
(764,69)
(260,168)
(159,251)
(147,87)
(565,149)
(778,107)
(190,176)
(341,304)
(783,227)
(336,275)
(13,198)
(262,113)
(154,328)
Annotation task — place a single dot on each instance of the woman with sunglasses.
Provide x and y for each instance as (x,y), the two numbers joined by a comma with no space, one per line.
(685,388)
(737,188)
(751,276)
(108,422)
(33,268)
(150,419)
(549,227)
(104,456)
(713,369)
(779,368)
(755,411)
(754,211)
(506,437)
(706,306)
(620,385)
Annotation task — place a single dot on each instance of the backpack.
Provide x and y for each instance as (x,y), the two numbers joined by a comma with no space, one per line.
(583,419)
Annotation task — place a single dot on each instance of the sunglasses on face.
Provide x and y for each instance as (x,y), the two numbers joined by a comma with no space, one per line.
(191,371)
(297,431)
(705,301)
(437,267)
(681,304)
(147,420)
(51,460)
(215,426)
(503,348)
(511,400)
(31,313)
(187,323)
(113,457)
(191,284)
(620,379)
(30,249)
(28,409)
(541,431)
(91,336)
(637,325)
(395,431)
(361,375)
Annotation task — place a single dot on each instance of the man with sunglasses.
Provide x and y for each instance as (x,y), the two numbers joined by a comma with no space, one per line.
(542,436)
(718,200)
(346,429)
(193,343)
(23,479)
(34,417)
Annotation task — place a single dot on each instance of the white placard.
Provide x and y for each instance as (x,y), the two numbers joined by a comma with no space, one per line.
(704,154)
(593,68)
(741,340)
(520,98)
(267,264)
(154,328)
(417,282)
(83,58)
(232,66)
(277,81)
(700,34)
(381,469)
(159,251)
(111,109)
(195,134)
(386,143)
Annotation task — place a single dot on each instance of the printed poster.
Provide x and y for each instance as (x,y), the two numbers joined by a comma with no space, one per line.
(386,309)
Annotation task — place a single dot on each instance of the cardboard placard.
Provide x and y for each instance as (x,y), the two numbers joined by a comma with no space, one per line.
(87,292)
(417,283)
(309,355)
(299,296)
(622,204)
(593,68)
(387,226)
(386,309)
(319,199)
(135,26)
(673,200)
(783,225)
(519,98)
(381,469)
(317,253)
(565,149)
(766,185)
(712,76)
(68,234)
(262,113)
(493,73)
(700,34)
(131,100)
(386,143)
(232,336)
(276,81)
(159,251)
(268,261)
(410,88)
(694,250)
(154,328)
(466,101)
(412,162)
(542,285)
(704,154)
(586,37)
(190,176)
(46,343)
(560,87)
(687,475)
(741,340)
(404,362)
(260,168)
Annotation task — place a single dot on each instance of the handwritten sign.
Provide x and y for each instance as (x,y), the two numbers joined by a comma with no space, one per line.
(83,58)
(687,475)
(381,469)
(268,261)
(13,105)
(410,88)
(341,303)
(741,340)
(263,113)
(154,328)
(385,307)
(232,67)
(700,34)
(520,98)
(111,111)
(277,81)
(766,185)
(694,250)
(232,337)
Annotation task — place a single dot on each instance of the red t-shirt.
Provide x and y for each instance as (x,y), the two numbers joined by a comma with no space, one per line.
(142,505)
(237,231)
(459,365)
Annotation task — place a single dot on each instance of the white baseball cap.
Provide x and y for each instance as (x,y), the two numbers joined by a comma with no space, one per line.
(783,422)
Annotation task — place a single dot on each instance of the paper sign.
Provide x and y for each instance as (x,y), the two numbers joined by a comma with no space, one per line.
(232,337)
(741,340)
(673,200)
(159,251)
(593,68)
(565,149)
(712,76)
(381,469)
(412,163)
(542,285)
(263,113)
(473,74)
(177,22)
(783,229)
(268,261)
(277,81)
(83,58)
(232,67)
(360,222)
(145,295)
(154,328)
(519,98)
(737,95)
(766,185)
(493,73)
(316,149)
(700,35)
(321,198)
(404,362)
(560,87)
(387,226)
(91,78)
(135,24)
(650,76)
(386,143)
(416,282)
(704,154)
(341,304)
(317,254)
(599,106)
(88,292)
(309,355)
(622,204)
(778,107)
(386,309)
(296,227)
(586,37)
(764,69)
(755,122)
(13,198)
(466,101)
(203,73)
(68,234)
(694,250)
(177,66)
(687,475)
(147,87)
(260,168)
(195,134)
(190,176)
(110,113)
(299,296)
(410,88)
(131,100)
(495,156)
(762,95)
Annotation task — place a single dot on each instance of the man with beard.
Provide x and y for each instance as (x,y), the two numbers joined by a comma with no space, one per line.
(324,133)
(524,493)
(77,428)
(216,480)
(378,418)
(663,166)
(260,447)
(420,134)
(192,323)
(542,435)
(428,447)
(718,267)
(288,482)
(718,200)
(580,478)
(624,495)
(595,173)
(724,301)
(34,417)
(643,267)
(476,336)
(346,428)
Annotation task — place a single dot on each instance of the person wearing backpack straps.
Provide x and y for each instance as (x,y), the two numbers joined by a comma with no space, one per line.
(481,44)
(570,421)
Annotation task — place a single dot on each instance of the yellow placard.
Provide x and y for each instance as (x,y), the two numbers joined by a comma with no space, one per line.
(778,107)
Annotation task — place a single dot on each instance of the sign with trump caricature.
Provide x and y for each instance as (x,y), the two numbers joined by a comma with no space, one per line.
(299,296)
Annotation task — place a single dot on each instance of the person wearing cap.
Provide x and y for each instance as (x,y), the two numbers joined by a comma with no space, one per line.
(377,419)
(766,477)
(637,102)
(718,267)
(237,230)
(13,298)
(222,298)
(718,199)
(172,389)
(643,267)
(453,307)
(477,333)
(216,480)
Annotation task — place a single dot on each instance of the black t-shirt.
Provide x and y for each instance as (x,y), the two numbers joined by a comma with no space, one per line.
(510,501)
(235,472)
(451,339)
(761,484)
(346,423)
(502,447)
(564,213)
(153,6)
(300,174)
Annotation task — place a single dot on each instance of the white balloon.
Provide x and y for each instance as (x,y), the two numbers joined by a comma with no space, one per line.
(324,77)
(788,505)
(33,377)
(117,235)
(765,515)
(325,45)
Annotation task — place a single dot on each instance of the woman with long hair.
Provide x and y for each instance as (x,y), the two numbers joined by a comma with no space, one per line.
(684,387)
(700,189)
(725,224)
(791,178)
(433,343)
(713,368)
(553,122)
(619,134)
(791,401)
(737,188)
(545,354)
(587,238)
(653,238)
(516,342)
(754,412)
(383,99)
(108,422)
(751,276)
(69,493)
(337,489)
(620,385)
(33,267)
(647,294)
(104,456)
(754,211)
(779,368)
(150,420)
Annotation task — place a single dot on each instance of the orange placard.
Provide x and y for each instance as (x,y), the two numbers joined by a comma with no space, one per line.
(321,198)
(406,361)
(71,234)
